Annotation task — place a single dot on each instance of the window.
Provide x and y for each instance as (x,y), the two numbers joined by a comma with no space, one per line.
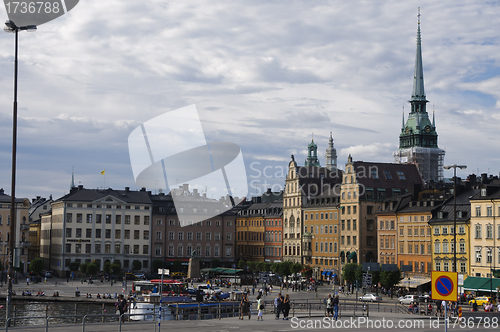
(146,220)
(229,251)
(343,225)
(198,236)
(489,231)
(78,217)
(354,240)
(369,225)
(97,248)
(117,248)
(370,240)
(335,229)
(137,220)
(374,173)
(438,266)
(108,219)
(180,251)
(78,232)
(88,233)
(422,249)
(89,218)
(348,224)
(401,176)
(136,234)
(409,231)
(462,268)
(68,248)
(478,255)
(158,236)
(118,219)
(462,247)
(145,235)
(445,247)
(158,250)
(436,230)
(126,249)
(127,219)
(180,236)
(108,234)
(158,222)
(126,234)
(78,248)
(217,236)
(69,218)
(437,247)
(208,236)
(354,225)
(388,175)
(478,231)
(136,249)
(171,236)
(68,232)
(401,248)
(342,242)
(401,231)
(381,225)
(446,266)
(410,248)
(444,230)
(478,211)
(229,223)
(98,233)
(228,236)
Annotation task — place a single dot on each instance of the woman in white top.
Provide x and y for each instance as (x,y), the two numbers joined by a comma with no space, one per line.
(260,306)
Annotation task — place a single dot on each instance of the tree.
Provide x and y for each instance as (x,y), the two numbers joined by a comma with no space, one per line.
(92,268)
(296,268)
(74,266)
(157,264)
(241,264)
(37,265)
(389,279)
(352,272)
(83,267)
(106,267)
(136,265)
(116,267)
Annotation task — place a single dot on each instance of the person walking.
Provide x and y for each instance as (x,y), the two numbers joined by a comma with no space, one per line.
(329,306)
(260,307)
(245,307)
(336,307)
(122,307)
(286,307)
(278,303)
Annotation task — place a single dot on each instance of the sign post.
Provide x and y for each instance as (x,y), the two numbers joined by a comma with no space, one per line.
(162,272)
(444,286)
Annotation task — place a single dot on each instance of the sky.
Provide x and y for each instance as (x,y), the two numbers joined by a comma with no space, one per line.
(265,75)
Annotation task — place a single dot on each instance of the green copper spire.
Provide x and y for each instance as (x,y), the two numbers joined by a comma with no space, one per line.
(418,78)
(312,155)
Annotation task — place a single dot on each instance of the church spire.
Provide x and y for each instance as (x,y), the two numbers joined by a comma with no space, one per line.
(72,178)
(331,155)
(418,78)
(403,125)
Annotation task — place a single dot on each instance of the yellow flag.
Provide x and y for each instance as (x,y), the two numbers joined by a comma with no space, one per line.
(102,173)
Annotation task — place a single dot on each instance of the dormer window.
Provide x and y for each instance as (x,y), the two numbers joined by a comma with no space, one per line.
(483,192)
(440,215)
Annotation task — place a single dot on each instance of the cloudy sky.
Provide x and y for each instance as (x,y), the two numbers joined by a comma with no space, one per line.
(266,75)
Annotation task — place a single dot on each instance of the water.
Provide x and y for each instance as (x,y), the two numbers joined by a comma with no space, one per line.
(35,313)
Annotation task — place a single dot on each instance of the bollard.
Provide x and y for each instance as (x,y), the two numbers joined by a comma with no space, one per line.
(75,313)
(310,310)
(102,312)
(219,311)
(177,312)
(199,311)
(14,313)
(46,311)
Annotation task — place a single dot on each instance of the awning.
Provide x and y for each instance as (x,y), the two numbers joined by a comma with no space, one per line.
(353,255)
(413,282)
(342,254)
(334,275)
(329,273)
(324,272)
(481,284)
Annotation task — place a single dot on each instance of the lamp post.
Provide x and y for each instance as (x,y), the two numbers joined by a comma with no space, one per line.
(455,166)
(12,27)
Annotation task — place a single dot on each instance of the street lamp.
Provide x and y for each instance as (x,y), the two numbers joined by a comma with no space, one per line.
(455,166)
(12,27)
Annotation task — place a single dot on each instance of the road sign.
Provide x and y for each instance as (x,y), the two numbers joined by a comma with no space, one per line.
(163,271)
(444,286)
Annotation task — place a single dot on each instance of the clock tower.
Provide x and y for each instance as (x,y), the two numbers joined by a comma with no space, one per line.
(418,138)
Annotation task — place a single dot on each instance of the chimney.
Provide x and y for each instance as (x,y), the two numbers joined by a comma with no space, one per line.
(1,191)
(127,189)
(484,178)
(195,193)
(143,189)
(269,191)
(80,187)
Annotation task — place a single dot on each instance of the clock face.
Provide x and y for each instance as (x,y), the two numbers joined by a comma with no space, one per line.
(427,128)
(407,130)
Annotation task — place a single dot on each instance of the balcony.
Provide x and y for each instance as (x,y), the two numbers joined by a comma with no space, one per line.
(307,253)
(25,227)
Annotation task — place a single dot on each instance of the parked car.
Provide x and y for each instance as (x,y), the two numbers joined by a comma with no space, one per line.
(191,291)
(424,298)
(408,299)
(370,298)
(483,300)
(47,274)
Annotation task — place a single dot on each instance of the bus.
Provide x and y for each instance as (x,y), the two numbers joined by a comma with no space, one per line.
(171,287)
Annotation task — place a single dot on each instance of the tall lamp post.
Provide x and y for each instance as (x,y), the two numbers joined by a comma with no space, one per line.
(455,166)
(12,27)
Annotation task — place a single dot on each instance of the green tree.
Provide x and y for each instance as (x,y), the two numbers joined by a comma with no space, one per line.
(74,266)
(389,279)
(37,265)
(106,267)
(352,272)
(296,268)
(92,268)
(157,264)
(116,268)
(83,267)
(375,277)
(242,264)
(136,265)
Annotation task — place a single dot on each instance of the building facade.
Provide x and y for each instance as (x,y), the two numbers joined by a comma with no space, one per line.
(94,225)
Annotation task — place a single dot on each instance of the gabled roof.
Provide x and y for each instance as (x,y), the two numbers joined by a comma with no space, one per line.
(448,208)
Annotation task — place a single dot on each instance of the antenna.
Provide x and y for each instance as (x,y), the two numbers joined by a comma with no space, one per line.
(418,16)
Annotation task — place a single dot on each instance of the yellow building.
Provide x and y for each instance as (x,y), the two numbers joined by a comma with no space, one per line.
(321,235)
(443,233)
(485,227)
(250,233)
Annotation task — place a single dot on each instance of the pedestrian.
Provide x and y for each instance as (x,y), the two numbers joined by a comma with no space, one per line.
(260,306)
(286,307)
(28,281)
(245,306)
(329,306)
(122,307)
(277,305)
(336,307)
